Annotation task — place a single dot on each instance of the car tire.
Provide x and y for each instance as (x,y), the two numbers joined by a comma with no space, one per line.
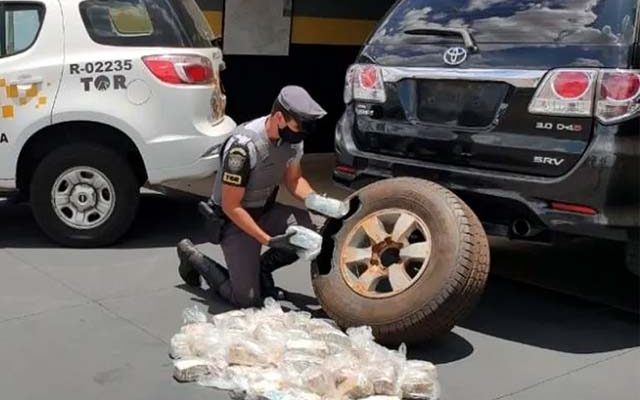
(442,292)
(96,180)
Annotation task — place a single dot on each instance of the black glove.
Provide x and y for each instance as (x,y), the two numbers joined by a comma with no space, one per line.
(282,243)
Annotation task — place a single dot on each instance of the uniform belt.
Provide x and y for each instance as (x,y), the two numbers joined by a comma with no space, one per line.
(255,212)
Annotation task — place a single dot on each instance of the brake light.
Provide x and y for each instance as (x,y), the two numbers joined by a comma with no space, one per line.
(565,93)
(365,82)
(180,69)
(619,96)
(571,84)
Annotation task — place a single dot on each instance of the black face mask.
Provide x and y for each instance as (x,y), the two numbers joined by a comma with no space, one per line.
(289,136)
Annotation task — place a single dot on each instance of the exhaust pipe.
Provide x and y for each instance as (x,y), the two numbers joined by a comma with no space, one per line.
(522,228)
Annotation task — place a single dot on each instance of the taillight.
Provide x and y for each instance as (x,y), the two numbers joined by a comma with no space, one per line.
(565,93)
(571,84)
(180,69)
(619,96)
(365,82)
(613,94)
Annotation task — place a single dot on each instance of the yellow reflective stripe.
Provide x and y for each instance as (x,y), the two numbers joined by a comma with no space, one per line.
(316,30)
(330,31)
(215,20)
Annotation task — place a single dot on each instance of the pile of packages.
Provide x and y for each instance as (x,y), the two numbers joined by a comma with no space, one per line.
(270,354)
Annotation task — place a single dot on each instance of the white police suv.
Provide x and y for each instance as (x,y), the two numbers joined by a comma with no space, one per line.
(97,99)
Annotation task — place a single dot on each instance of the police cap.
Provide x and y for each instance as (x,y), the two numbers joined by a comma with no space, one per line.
(299,103)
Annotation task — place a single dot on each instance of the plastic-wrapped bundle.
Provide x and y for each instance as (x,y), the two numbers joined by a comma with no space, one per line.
(356,386)
(301,362)
(308,240)
(272,337)
(419,385)
(249,353)
(362,341)
(298,320)
(209,347)
(199,329)
(332,208)
(180,346)
(193,315)
(191,370)
(384,378)
(322,325)
(424,366)
(234,320)
(336,341)
(311,347)
(291,394)
(319,381)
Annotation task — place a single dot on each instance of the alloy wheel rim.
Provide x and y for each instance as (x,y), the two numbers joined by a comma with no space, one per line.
(386,253)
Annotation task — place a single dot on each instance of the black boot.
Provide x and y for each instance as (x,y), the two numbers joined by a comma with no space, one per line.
(188,274)
(192,260)
(271,261)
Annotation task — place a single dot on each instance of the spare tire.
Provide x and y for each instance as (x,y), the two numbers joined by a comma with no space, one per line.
(410,261)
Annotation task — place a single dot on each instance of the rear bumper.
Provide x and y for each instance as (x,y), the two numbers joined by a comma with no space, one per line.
(605,179)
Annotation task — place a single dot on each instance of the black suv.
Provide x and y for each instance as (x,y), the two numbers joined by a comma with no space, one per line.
(529,111)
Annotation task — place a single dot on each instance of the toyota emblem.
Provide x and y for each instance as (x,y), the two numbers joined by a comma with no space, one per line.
(455,55)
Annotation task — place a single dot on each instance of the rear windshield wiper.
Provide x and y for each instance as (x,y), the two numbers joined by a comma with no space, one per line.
(461,32)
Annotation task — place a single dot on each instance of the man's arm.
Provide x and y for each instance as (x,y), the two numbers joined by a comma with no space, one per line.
(296,184)
(231,205)
(236,171)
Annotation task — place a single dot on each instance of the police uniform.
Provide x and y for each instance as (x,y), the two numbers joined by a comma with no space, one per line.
(254,162)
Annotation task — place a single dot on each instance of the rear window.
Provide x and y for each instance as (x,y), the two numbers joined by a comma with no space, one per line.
(156,23)
(519,21)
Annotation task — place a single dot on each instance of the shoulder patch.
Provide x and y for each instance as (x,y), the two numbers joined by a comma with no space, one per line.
(237,165)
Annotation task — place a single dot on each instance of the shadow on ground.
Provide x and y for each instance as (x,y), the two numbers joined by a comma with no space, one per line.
(509,310)
(161,222)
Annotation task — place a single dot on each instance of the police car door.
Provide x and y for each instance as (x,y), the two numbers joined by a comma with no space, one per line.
(31,58)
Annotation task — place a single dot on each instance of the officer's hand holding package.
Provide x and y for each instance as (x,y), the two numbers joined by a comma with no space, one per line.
(260,156)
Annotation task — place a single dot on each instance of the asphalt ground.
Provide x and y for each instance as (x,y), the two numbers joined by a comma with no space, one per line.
(554,323)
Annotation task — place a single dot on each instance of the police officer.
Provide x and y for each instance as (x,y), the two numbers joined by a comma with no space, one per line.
(260,156)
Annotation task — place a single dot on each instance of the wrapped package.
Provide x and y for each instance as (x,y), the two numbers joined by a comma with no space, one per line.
(355,386)
(271,335)
(298,320)
(377,397)
(315,348)
(384,378)
(239,321)
(321,326)
(332,208)
(336,341)
(193,315)
(209,348)
(418,385)
(249,353)
(319,381)
(308,240)
(290,394)
(199,329)
(423,366)
(301,362)
(191,370)
(180,346)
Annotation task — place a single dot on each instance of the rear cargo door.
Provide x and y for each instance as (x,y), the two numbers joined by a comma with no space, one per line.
(460,76)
